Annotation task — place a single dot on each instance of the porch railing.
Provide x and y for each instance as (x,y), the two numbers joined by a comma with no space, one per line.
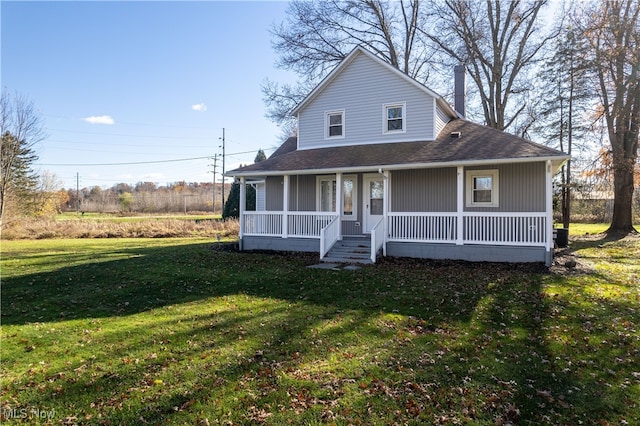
(263,223)
(299,224)
(307,224)
(487,228)
(525,229)
(377,239)
(329,235)
(423,227)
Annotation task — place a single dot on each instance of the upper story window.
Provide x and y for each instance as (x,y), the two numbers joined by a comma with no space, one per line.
(334,124)
(482,188)
(394,118)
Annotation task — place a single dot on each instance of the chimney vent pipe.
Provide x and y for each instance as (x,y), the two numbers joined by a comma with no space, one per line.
(460,89)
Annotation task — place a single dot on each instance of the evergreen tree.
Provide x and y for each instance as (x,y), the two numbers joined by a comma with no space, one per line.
(260,156)
(232,206)
(17,179)
(565,98)
(21,128)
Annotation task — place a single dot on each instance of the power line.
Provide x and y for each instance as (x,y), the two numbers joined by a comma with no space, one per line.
(140,162)
(124,164)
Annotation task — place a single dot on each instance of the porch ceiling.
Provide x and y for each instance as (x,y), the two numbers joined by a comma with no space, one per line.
(476,145)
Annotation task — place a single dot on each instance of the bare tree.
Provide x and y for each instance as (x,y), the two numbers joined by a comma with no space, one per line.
(317,35)
(613,33)
(500,42)
(21,128)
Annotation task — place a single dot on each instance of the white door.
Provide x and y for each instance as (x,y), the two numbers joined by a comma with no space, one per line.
(373,201)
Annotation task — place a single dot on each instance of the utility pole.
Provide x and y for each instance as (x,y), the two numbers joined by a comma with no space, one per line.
(215,165)
(223,170)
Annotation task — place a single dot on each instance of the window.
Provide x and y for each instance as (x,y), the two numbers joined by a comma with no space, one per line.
(482,188)
(394,119)
(334,127)
(348,195)
(326,197)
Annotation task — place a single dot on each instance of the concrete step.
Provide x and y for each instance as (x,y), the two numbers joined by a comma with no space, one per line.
(328,259)
(350,250)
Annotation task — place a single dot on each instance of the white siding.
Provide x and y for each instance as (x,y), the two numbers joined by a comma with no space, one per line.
(441,120)
(361,90)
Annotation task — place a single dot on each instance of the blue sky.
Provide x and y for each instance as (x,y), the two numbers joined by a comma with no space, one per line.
(131,82)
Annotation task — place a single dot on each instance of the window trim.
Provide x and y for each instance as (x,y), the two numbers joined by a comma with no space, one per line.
(327,118)
(495,187)
(354,201)
(385,117)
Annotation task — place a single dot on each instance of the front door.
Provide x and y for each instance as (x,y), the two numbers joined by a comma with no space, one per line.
(373,201)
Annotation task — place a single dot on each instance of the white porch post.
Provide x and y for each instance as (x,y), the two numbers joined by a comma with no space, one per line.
(385,209)
(460,206)
(285,206)
(339,202)
(243,207)
(549,212)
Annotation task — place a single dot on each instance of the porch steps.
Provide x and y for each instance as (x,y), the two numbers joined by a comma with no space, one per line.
(350,250)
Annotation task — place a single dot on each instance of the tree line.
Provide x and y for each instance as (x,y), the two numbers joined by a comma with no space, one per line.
(146,197)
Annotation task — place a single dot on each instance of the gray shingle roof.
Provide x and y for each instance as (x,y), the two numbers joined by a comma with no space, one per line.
(477,143)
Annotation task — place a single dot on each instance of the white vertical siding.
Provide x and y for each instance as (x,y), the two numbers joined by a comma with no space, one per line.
(361,90)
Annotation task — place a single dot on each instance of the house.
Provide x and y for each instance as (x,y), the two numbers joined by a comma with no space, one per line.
(384,165)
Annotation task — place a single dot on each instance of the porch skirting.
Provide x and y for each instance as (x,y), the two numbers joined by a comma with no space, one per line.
(469,252)
(439,251)
(280,244)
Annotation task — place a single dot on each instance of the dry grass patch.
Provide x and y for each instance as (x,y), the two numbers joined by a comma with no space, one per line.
(121,228)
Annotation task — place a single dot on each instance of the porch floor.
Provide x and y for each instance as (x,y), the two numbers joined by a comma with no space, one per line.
(350,250)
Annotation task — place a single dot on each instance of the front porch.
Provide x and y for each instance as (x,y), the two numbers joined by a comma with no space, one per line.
(367,205)
(499,237)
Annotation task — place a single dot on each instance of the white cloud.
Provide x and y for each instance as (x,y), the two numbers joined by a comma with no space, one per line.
(100,119)
(199,107)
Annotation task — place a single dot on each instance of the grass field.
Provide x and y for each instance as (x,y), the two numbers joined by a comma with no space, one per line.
(113,217)
(178,331)
(98,225)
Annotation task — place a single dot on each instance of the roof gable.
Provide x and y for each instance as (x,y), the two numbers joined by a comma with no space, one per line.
(358,51)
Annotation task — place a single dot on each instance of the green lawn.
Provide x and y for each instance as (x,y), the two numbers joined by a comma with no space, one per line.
(587,228)
(176,331)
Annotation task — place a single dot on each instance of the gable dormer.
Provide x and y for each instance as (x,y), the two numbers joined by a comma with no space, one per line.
(364,100)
